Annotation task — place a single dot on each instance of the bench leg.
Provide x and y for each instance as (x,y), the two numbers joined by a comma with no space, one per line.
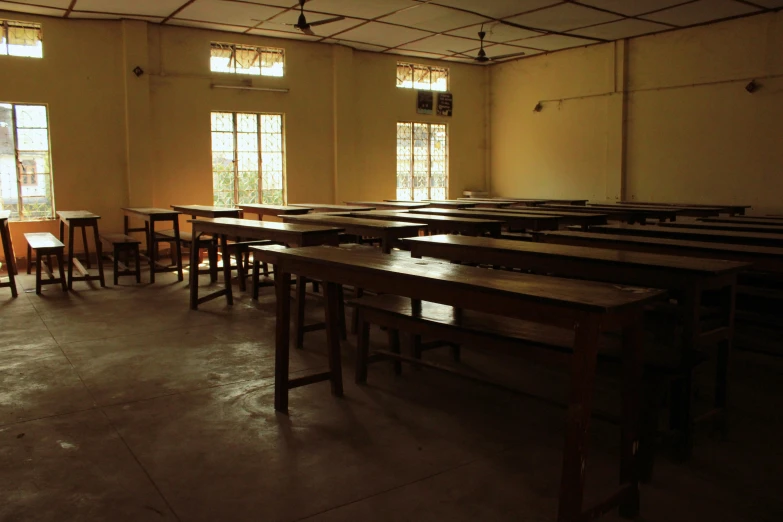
(137,255)
(332,296)
(99,254)
(29,259)
(362,348)
(651,397)
(256,278)
(61,269)
(116,266)
(70,257)
(241,269)
(343,333)
(212,253)
(227,269)
(178,249)
(632,380)
(151,247)
(37,274)
(394,346)
(87,262)
(301,287)
(193,273)
(359,292)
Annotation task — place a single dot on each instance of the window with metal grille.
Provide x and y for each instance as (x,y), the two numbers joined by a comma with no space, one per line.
(422,77)
(248,159)
(21,39)
(25,162)
(245,59)
(422,161)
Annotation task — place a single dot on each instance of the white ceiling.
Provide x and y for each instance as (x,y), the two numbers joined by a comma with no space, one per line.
(438,29)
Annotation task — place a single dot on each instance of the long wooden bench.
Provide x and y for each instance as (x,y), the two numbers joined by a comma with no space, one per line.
(125,247)
(45,244)
(513,337)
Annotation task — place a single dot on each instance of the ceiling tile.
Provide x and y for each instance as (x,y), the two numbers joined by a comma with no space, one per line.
(61,4)
(442,44)
(383,34)
(108,16)
(31,9)
(355,45)
(564,17)
(207,25)
(497,8)
(359,8)
(280,34)
(433,18)
(233,13)
(496,32)
(626,28)
(701,11)
(160,8)
(552,42)
(636,7)
(291,17)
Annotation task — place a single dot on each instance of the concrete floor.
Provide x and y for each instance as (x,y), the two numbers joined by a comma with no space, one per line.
(120,404)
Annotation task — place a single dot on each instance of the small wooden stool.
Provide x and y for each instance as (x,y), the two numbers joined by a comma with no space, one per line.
(122,244)
(45,244)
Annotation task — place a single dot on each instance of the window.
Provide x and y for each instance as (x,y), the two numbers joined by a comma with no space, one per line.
(25,162)
(422,161)
(422,77)
(247,159)
(20,39)
(243,59)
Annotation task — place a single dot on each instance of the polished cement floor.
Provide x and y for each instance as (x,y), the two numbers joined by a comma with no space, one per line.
(121,404)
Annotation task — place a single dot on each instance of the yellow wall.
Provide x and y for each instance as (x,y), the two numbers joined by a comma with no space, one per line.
(120,140)
(692,131)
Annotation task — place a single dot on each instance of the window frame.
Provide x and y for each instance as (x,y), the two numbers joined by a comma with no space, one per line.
(5,35)
(412,176)
(430,68)
(259,49)
(17,161)
(235,152)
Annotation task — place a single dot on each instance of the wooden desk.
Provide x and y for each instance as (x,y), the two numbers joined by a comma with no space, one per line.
(661,213)
(206,211)
(746,220)
(222,228)
(151,216)
(81,219)
(513,201)
(582,219)
(449,203)
(725,209)
(437,224)
(388,231)
(587,307)
(389,205)
(8,253)
(530,201)
(490,203)
(273,210)
(322,207)
(766,228)
(694,234)
(512,220)
(681,211)
(764,259)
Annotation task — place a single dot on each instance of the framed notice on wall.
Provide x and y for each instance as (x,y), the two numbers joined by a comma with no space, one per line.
(445,102)
(425,102)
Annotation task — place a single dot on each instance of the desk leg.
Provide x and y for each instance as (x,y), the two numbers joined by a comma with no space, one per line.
(151,244)
(193,273)
(86,248)
(386,243)
(70,256)
(62,231)
(226,268)
(8,252)
(282,332)
(583,361)
(681,389)
(178,248)
(632,378)
(332,295)
(98,253)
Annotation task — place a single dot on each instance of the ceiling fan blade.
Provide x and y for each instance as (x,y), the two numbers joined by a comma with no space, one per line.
(272,22)
(504,56)
(307,30)
(328,20)
(463,54)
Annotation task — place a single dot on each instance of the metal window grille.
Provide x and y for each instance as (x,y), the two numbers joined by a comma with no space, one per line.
(422,161)
(243,59)
(25,162)
(21,39)
(248,159)
(422,77)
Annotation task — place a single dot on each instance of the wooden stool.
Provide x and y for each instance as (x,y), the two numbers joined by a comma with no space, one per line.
(45,244)
(186,240)
(124,245)
(8,252)
(75,219)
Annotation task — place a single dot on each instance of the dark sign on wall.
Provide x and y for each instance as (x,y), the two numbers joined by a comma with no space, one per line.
(445,103)
(424,102)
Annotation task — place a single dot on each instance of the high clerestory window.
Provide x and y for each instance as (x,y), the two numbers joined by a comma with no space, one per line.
(246,59)
(422,77)
(20,39)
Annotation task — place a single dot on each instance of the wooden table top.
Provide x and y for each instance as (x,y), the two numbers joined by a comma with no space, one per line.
(350,221)
(274,210)
(691,265)
(67,215)
(769,228)
(206,210)
(449,203)
(697,205)
(746,220)
(544,211)
(693,234)
(651,211)
(681,211)
(148,211)
(42,240)
(244,225)
(549,200)
(586,296)
(391,215)
(380,205)
(325,207)
(516,219)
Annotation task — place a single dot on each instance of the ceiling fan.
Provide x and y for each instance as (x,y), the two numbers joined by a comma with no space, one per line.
(302,23)
(482,54)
